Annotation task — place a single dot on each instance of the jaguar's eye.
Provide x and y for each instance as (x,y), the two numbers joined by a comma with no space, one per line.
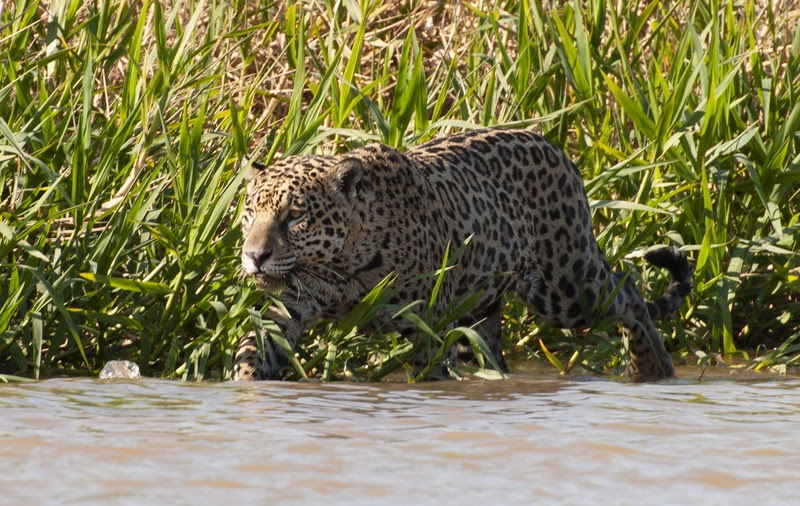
(295,216)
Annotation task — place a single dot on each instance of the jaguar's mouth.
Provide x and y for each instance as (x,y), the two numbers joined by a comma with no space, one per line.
(270,282)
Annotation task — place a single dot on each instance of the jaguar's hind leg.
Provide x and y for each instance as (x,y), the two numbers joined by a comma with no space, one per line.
(649,357)
(576,304)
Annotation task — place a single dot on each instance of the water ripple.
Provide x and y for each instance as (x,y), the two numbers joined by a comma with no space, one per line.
(524,440)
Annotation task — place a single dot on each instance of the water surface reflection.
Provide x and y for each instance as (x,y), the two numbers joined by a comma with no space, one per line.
(524,440)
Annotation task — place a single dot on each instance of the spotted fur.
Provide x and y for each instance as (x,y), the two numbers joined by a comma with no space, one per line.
(323,230)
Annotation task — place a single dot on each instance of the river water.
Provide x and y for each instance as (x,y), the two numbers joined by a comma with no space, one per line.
(530,439)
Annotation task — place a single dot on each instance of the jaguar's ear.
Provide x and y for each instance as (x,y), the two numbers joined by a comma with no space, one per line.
(344,177)
(253,170)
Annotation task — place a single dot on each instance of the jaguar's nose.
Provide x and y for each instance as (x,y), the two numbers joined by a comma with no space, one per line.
(253,260)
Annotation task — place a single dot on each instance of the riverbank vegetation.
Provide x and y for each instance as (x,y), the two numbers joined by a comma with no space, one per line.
(123,127)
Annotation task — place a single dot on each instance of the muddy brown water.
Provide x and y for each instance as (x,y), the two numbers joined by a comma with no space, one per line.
(530,439)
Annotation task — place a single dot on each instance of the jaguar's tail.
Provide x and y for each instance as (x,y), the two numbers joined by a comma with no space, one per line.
(675,262)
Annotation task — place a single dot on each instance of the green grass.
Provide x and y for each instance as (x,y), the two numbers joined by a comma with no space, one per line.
(123,126)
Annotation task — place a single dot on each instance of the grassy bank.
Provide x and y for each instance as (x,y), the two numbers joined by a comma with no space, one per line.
(123,126)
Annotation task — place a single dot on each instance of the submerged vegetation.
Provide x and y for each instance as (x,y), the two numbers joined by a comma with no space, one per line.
(123,127)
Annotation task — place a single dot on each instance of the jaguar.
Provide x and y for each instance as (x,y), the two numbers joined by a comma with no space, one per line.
(321,231)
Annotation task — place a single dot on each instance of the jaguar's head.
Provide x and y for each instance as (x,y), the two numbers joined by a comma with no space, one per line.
(297,216)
